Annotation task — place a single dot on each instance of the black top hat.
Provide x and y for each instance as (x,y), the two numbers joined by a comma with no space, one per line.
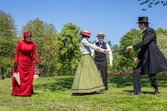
(143,20)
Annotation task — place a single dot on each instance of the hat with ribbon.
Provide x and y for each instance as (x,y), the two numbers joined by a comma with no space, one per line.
(100,34)
(85,32)
(27,34)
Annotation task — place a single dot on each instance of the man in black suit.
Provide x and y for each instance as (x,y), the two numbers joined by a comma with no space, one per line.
(151,60)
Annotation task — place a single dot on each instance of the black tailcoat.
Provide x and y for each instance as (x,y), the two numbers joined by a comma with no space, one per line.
(151,58)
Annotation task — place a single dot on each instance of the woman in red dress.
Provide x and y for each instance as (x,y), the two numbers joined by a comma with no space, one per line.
(25,54)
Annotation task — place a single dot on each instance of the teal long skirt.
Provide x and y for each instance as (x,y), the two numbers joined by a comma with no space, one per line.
(87,77)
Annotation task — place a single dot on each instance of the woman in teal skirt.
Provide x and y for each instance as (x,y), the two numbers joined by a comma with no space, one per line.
(87,77)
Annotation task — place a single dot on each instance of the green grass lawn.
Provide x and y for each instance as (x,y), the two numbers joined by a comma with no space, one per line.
(54,94)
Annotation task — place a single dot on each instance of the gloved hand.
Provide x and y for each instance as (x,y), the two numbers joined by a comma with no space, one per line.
(39,65)
(15,64)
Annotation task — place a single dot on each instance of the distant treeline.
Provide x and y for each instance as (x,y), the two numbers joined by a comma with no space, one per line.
(59,52)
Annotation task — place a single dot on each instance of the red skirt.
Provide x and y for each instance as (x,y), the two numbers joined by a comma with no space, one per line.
(26,71)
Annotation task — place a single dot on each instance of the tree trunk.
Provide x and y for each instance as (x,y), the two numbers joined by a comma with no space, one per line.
(2,72)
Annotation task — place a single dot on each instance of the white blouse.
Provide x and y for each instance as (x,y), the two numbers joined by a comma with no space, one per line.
(85,47)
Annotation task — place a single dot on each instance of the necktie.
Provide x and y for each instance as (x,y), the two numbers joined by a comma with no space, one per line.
(101,44)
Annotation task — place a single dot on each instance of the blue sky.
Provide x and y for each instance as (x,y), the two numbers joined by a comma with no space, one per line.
(112,17)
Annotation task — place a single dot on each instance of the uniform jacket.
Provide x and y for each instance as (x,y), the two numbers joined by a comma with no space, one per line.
(151,58)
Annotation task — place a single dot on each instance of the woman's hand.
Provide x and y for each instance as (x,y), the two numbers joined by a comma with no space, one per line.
(106,51)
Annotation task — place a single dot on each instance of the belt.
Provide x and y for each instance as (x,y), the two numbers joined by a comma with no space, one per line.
(85,54)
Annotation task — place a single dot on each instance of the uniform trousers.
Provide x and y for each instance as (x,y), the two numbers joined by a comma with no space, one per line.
(102,66)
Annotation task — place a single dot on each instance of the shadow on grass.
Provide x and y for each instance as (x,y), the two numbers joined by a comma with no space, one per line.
(62,84)
(144,92)
(65,83)
(123,81)
(86,94)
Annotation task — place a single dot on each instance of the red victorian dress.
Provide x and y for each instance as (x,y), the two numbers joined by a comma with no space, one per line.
(25,55)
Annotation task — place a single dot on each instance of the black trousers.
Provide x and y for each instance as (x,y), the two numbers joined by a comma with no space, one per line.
(137,79)
(102,66)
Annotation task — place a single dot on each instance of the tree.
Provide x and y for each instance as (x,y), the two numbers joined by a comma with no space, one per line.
(150,3)
(161,31)
(109,43)
(161,42)
(8,32)
(44,35)
(68,49)
(123,61)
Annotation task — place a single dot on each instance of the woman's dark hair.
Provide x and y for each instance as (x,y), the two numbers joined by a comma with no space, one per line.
(84,36)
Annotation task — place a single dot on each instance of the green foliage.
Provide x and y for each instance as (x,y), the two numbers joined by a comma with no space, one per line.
(68,51)
(109,43)
(161,31)
(124,60)
(44,35)
(59,53)
(7,41)
(150,3)
(161,42)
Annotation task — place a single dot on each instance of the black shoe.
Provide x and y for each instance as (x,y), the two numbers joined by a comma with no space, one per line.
(156,92)
(134,93)
(106,89)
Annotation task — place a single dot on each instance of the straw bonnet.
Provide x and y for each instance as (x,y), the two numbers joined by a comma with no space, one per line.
(85,32)
(100,34)
(27,34)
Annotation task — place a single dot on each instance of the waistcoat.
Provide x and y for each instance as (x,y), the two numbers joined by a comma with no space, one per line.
(99,56)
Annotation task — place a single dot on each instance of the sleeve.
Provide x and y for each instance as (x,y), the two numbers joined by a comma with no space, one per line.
(17,51)
(150,35)
(34,55)
(139,56)
(109,53)
(92,51)
(86,43)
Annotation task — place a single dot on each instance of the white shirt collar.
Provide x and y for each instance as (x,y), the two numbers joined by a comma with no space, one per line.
(144,29)
(101,42)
